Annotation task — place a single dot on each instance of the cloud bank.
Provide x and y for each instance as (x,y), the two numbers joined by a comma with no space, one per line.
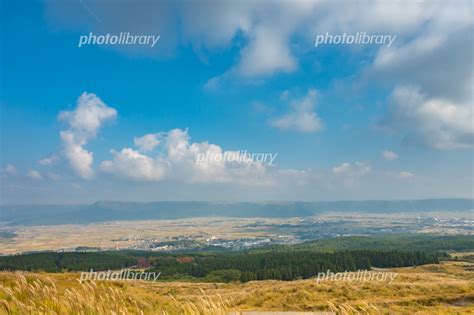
(172,156)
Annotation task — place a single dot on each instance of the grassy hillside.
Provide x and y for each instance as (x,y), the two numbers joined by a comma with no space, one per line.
(447,288)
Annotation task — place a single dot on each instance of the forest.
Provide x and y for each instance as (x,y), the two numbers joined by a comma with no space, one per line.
(299,261)
(220,267)
(283,266)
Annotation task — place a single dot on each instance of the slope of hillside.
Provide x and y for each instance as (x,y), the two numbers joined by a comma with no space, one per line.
(432,289)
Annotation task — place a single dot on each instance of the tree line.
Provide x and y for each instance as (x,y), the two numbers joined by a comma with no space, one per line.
(67,261)
(285,266)
(221,267)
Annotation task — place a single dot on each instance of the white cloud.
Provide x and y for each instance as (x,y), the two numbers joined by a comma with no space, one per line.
(147,143)
(265,26)
(302,117)
(89,114)
(84,122)
(131,164)
(79,158)
(177,159)
(389,155)
(436,122)
(10,169)
(49,160)
(33,174)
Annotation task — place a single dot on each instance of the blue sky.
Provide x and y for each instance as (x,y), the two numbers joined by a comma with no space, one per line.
(346,121)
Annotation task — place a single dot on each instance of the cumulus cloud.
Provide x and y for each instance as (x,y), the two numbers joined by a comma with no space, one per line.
(131,164)
(84,123)
(302,116)
(33,174)
(88,116)
(389,155)
(147,142)
(178,159)
(79,158)
(435,122)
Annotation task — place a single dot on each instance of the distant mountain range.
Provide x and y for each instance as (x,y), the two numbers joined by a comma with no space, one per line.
(116,210)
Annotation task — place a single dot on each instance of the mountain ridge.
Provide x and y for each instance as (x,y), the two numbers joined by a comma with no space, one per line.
(102,211)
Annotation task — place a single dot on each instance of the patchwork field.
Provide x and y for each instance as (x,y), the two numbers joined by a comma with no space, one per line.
(447,288)
(195,233)
(130,234)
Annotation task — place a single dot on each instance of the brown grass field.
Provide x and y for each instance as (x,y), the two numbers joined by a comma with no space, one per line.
(447,288)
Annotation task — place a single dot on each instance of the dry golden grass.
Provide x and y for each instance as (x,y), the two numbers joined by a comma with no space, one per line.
(40,295)
(25,293)
(447,288)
